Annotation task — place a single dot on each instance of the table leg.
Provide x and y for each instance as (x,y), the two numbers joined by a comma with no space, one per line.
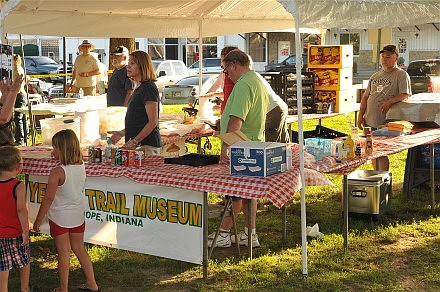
(284,224)
(432,172)
(250,227)
(199,145)
(345,211)
(205,235)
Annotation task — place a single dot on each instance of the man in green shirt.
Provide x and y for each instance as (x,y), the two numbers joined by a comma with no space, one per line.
(246,111)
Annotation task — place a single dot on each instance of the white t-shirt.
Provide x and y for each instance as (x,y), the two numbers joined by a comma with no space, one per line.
(67,209)
(382,87)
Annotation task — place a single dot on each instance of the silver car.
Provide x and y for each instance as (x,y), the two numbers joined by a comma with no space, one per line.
(187,89)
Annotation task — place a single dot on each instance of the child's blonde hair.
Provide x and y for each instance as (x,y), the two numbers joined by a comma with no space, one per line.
(10,157)
(67,144)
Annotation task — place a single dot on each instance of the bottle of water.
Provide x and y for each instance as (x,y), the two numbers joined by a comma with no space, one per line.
(81,93)
(108,151)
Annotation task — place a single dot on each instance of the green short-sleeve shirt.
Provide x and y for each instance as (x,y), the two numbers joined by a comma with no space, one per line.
(248,101)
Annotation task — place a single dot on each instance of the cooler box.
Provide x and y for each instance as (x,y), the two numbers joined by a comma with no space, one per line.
(369,192)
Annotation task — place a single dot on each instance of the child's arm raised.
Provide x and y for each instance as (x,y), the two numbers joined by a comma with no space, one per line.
(56,178)
(22,211)
(9,91)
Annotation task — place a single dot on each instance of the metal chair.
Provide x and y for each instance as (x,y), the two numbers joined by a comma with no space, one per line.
(221,211)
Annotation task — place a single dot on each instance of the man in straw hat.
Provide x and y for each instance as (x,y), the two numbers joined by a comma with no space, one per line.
(85,70)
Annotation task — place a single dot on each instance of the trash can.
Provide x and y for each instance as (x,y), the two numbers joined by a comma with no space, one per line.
(369,192)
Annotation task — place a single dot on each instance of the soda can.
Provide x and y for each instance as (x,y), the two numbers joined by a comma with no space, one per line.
(131,158)
(124,157)
(118,157)
(139,158)
(91,154)
(98,155)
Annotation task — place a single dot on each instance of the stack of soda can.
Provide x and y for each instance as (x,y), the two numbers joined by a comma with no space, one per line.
(95,154)
(120,157)
(129,157)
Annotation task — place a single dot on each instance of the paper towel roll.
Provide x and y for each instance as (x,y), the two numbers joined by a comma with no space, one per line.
(205,108)
(89,126)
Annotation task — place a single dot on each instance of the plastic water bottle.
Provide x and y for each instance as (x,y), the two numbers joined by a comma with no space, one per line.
(108,151)
(81,93)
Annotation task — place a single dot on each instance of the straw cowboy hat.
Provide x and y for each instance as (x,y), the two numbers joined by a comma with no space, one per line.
(86,43)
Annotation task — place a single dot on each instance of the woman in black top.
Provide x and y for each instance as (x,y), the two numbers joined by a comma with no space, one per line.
(142,117)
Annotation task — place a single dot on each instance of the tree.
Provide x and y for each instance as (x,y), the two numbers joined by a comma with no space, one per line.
(129,43)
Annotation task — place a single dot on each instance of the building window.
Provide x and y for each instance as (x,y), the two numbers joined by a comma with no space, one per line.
(160,48)
(209,45)
(350,39)
(257,46)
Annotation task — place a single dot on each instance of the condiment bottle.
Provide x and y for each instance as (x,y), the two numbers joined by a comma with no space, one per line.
(358,150)
(349,146)
(369,144)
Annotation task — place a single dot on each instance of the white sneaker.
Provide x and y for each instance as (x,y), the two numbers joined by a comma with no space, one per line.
(243,239)
(223,240)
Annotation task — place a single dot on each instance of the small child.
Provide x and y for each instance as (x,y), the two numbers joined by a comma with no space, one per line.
(63,203)
(14,223)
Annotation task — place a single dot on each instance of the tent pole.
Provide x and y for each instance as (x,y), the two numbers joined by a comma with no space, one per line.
(379,40)
(29,104)
(299,64)
(200,57)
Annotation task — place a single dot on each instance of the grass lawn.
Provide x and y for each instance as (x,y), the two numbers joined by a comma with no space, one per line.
(398,252)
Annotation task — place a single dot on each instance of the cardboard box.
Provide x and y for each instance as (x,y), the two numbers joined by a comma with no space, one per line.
(257,158)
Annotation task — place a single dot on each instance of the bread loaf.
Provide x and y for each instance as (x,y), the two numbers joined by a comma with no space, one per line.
(400,126)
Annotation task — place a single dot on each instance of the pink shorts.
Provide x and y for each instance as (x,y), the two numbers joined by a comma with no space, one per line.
(56,230)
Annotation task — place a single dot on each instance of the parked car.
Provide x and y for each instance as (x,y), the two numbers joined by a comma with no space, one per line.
(41,65)
(186,90)
(212,65)
(289,64)
(169,72)
(55,91)
(424,75)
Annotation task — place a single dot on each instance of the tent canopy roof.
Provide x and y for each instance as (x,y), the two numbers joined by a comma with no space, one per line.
(184,18)
(147,18)
(362,14)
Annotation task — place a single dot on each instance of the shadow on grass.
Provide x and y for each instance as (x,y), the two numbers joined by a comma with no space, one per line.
(118,270)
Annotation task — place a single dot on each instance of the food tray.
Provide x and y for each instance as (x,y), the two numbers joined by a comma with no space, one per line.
(193,159)
(319,132)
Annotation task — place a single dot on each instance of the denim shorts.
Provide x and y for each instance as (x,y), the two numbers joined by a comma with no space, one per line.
(13,253)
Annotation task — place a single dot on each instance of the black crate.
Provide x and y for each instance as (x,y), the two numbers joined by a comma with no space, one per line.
(319,132)
(276,81)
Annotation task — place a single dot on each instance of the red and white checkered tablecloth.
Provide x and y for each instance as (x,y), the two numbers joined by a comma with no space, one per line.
(382,146)
(278,188)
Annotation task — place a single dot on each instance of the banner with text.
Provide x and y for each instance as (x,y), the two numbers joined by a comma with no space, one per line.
(124,214)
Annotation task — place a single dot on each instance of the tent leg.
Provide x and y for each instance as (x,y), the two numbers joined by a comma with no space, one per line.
(345,211)
(284,225)
(205,235)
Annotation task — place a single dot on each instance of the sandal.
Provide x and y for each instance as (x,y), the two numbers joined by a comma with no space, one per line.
(84,287)
(56,289)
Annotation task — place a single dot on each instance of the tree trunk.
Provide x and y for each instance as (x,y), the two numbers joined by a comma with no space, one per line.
(129,43)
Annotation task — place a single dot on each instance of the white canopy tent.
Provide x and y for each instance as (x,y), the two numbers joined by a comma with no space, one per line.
(201,18)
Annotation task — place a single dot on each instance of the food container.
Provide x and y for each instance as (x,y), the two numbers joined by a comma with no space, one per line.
(111,119)
(51,126)
(369,192)
(89,126)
